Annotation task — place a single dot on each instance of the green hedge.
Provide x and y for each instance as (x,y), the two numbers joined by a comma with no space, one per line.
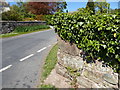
(30,28)
(48,18)
(97,35)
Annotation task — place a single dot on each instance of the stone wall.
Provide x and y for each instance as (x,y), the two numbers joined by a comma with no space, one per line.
(84,75)
(9,26)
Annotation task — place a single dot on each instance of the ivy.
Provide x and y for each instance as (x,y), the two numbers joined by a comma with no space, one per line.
(98,35)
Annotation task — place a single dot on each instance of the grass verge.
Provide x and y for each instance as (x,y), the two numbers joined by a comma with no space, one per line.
(50,63)
(48,86)
(18,33)
(25,30)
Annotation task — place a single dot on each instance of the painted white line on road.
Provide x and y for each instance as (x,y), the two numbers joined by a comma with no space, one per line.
(26,57)
(5,68)
(42,49)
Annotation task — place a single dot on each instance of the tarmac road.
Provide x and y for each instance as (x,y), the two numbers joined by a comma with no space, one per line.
(23,57)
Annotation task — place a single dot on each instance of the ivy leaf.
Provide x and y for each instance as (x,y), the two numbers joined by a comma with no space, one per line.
(104,46)
(100,28)
(114,34)
(109,28)
(80,23)
(117,56)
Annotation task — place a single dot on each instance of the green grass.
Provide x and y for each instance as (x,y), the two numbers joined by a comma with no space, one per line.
(50,62)
(48,86)
(25,30)
(30,28)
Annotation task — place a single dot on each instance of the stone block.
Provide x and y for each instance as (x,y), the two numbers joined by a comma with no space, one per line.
(60,70)
(94,76)
(68,48)
(73,62)
(110,79)
(108,85)
(84,82)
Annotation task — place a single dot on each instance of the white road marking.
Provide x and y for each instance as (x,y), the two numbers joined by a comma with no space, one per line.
(42,49)
(26,57)
(5,68)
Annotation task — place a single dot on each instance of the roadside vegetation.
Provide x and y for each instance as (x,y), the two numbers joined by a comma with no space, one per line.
(30,11)
(96,32)
(50,63)
(25,30)
(30,28)
(48,87)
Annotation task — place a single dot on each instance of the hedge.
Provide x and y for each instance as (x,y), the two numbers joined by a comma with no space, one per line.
(97,35)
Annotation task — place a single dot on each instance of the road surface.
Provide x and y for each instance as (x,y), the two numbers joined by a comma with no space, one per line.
(22,58)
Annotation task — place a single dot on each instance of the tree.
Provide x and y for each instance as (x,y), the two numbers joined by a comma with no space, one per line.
(11,15)
(14,14)
(45,8)
(17,12)
(23,10)
(90,6)
(102,5)
(115,11)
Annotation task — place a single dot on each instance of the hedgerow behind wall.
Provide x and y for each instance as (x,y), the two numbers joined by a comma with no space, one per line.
(97,35)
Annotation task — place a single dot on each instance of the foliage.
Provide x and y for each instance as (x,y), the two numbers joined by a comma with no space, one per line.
(15,33)
(50,87)
(45,8)
(23,10)
(29,19)
(30,28)
(11,15)
(50,62)
(102,6)
(8,35)
(17,13)
(29,10)
(40,17)
(73,72)
(98,35)
(90,6)
(114,11)
(48,18)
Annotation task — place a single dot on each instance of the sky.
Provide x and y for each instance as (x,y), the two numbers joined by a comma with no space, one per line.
(73,6)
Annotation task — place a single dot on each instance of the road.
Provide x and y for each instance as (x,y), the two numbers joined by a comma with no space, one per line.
(23,57)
